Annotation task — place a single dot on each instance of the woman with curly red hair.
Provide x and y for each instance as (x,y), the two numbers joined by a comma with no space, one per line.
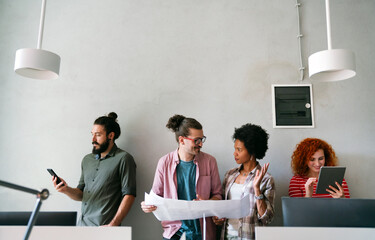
(310,155)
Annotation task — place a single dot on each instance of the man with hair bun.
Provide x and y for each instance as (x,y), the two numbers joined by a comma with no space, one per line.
(187,174)
(107,187)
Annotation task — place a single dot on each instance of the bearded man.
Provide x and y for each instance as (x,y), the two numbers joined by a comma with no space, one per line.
(107,187)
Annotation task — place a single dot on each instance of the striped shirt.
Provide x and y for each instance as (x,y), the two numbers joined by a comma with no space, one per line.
(297,188)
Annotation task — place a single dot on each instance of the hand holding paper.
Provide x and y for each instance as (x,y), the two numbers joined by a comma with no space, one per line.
(173,209)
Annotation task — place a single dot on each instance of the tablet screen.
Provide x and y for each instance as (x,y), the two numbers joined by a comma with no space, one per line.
(328,176)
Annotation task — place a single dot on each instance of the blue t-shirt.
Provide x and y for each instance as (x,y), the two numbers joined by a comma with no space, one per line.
(186,172)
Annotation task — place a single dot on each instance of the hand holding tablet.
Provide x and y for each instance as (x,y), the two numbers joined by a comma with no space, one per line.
(328,176)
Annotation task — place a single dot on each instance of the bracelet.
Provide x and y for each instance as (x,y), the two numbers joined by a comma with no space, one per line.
(260,197)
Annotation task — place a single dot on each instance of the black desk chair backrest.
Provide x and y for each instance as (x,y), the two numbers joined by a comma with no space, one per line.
(328,212)
(43,219)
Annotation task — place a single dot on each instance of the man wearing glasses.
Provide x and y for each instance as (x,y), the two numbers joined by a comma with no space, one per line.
(186,174)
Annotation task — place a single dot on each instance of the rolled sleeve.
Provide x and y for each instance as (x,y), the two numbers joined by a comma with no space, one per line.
(81,183)
(269,197)
(128,176)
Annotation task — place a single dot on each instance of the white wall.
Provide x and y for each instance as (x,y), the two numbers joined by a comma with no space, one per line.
(147,60)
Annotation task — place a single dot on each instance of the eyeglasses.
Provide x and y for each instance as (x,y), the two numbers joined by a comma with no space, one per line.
(197,141)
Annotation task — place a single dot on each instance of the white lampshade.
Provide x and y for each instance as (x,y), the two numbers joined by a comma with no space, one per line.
(37,63)
(332,65)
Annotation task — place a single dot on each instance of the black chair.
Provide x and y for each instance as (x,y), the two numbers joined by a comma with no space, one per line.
(43,219)
(328,212)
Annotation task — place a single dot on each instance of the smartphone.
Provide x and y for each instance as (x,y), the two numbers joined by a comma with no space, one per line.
(55,175)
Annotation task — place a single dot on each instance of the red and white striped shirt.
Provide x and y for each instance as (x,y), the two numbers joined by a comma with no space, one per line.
(297,188)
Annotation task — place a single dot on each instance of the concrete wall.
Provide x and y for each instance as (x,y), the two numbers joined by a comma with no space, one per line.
(147,60)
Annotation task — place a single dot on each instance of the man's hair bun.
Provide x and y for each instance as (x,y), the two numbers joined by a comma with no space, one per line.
(112,115)
(174,122)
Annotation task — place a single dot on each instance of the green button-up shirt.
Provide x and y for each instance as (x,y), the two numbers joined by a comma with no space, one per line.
(104,182)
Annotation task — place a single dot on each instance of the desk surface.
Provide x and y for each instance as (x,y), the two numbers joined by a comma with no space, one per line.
(63,233)
(313,233)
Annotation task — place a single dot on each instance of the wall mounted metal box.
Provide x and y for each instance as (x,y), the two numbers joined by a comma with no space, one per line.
(292,106)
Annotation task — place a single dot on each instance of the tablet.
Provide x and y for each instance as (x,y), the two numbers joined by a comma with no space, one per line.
(328,176)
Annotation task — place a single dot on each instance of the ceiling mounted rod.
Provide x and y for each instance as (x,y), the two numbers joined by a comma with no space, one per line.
(328,19)
(41,24)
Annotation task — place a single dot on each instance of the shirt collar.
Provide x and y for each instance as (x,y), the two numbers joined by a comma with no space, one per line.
(252,171)
(110,154)
(176,159)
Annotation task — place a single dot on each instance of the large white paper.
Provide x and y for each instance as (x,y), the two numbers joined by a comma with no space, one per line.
(173,209)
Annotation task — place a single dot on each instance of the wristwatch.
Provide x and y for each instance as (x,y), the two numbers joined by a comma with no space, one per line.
(260,197)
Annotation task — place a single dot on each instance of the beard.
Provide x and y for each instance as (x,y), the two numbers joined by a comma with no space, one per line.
(195,150)
(102,147)
(198,149)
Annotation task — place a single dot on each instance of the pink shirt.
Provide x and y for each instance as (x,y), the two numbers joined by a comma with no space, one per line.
(207,185)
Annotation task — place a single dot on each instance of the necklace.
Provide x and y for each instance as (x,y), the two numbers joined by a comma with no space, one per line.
(246,174)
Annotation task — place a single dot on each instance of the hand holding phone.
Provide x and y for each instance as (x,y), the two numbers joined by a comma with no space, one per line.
(58,180)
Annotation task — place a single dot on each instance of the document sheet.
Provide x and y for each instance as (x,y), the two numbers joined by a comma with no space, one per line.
(173,209)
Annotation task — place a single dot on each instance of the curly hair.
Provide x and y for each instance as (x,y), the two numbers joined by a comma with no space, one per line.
(304,151)
(254,138)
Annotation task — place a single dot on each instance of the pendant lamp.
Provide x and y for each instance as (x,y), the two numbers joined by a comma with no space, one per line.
(37,63)
(332,64)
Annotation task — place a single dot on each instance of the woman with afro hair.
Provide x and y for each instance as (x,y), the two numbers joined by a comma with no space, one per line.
(250,144)
(310,155)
